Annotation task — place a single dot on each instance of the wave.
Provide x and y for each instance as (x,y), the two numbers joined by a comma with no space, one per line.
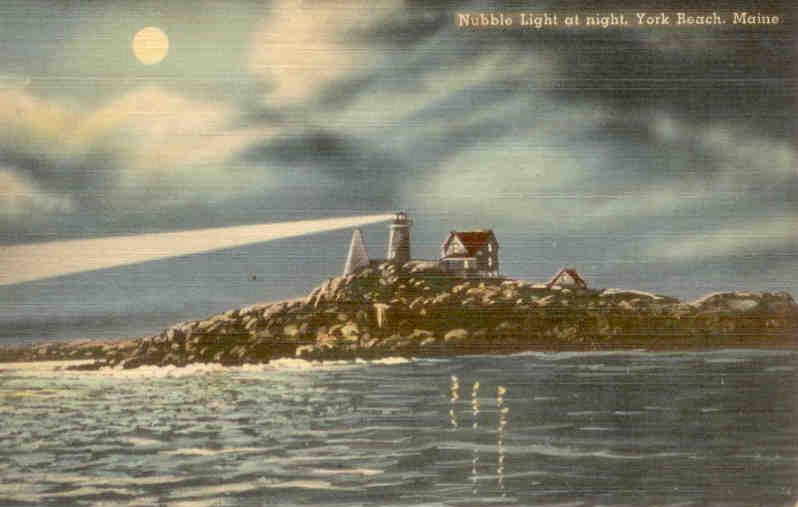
(302,364)
(46,368)
(736,354)
(32,487)
(91,480)
(215,490)
(306,484)
(563,452)
(346,471)
(197,451)
(234,488)
(43,366)
(208,502)
(565,355)
(142,442)
(88,491)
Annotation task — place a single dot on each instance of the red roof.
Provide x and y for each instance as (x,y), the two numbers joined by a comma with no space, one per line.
(570,272)
(473,240)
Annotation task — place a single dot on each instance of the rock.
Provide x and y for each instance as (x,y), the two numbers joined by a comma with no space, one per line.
(429,342)
(371,342)
(507,327)
(350,330)
(312,298)
(456,335)
(405,327)
(173,334)
(421,334)
(251,323)
(546,301)
(239,353)
(416,303)
(442,298)
(305,350)
(782,305)
(133,362)
(743,305)
(173,359)
(262,333)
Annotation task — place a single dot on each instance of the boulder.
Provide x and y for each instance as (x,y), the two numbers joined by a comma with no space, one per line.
(743,305)
(305,351)
(291,331)
(421,334)
(350,330)
(429,343)
(507,327)
(174,334)
(456,335)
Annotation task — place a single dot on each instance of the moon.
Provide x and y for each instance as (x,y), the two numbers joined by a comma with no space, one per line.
(150,45)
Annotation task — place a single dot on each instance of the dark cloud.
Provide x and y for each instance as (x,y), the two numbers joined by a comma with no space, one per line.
(727,73)
(324,150)
(87,177)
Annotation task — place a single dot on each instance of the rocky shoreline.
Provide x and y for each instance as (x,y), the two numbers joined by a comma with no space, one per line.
(415,310)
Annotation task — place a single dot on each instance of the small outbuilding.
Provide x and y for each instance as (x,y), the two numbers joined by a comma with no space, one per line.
(358,257)
(567,277)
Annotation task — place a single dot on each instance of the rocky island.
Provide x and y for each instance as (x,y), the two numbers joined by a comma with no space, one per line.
(459,304)
(418,310)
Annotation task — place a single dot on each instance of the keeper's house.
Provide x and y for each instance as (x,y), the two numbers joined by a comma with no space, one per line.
(470,254)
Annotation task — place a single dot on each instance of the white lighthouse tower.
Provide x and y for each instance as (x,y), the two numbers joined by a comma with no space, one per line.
(399,239)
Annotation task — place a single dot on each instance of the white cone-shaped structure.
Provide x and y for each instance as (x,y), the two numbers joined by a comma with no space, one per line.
(358,257)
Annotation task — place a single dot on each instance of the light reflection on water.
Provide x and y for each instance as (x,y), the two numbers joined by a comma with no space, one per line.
(500,431)
(683,428)
(475,426)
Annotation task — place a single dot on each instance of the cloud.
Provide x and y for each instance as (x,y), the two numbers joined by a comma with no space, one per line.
(325,151)
(436,84)
(20,199)
(303,46)
(183,147)
(146,149)
(745,239)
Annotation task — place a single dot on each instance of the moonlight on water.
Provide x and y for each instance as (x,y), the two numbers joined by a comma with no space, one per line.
(150,45)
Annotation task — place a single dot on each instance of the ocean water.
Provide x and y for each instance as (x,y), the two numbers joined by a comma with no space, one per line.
(625,428)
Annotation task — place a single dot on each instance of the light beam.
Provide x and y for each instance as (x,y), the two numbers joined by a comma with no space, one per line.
(35,261)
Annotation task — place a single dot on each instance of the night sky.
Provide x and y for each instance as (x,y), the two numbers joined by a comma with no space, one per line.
(654,158)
